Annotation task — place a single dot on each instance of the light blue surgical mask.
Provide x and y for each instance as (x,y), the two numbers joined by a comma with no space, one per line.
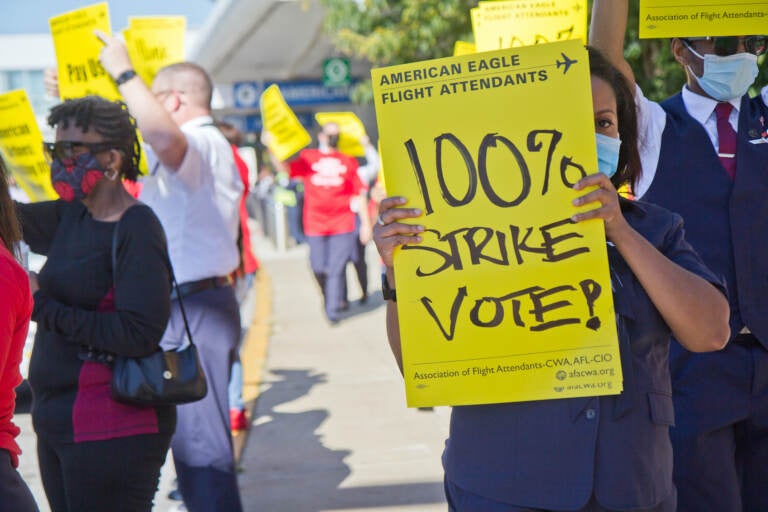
(726,78)
(607,154)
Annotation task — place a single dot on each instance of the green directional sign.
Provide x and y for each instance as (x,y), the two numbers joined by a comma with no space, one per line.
(336,72)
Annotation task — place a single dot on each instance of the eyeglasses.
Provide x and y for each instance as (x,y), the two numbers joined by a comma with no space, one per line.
(756,45)
(64,149)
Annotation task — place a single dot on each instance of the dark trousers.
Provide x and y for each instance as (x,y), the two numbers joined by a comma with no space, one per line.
(328,257)
(460,500)
(116,474)
(14,493)
(720,438)
(202,444)
(358,260)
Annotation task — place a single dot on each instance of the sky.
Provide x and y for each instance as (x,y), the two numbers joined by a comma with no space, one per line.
(31,16)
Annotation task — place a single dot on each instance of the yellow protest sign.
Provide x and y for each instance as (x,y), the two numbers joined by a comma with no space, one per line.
(513,23)
(77,52)
(474,15)
(506,299)
(463,48)
(351,130)
(697,18)
(154,42)
(22,146)
(287,134)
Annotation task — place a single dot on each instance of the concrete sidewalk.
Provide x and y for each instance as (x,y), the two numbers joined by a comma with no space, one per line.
(330,427)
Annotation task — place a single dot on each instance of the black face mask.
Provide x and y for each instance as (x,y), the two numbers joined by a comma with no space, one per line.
(333,141)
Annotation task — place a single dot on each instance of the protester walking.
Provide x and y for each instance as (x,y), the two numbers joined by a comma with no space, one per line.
(95,453)
(330,183)
(195,190)
(15,312)
(593,453)
(705,157)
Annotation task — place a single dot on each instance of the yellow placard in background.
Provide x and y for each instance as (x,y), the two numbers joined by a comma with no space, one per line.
(351,130)
(514,23)
(506,299)
(288,136)
(154,42)
(77,52)
(21,144)
(463,48)
(695,18)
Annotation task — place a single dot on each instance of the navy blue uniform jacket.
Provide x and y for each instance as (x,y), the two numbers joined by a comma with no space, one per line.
(555,454)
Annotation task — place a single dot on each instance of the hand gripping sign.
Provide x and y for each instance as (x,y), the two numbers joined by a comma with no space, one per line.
(506,299)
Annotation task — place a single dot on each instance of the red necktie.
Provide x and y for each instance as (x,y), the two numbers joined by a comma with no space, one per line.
(727,137)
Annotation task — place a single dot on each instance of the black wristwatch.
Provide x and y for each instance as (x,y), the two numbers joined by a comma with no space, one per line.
(124,77)
(387,292)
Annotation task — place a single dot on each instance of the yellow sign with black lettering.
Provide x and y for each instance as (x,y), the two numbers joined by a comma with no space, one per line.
(351,130)
(287,135)
(21,144)
(154,42)
(77,52)
(506,299)
(514,23)
(694,18)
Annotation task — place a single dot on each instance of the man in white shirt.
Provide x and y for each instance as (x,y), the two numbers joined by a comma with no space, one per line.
(194,188)
(705,156)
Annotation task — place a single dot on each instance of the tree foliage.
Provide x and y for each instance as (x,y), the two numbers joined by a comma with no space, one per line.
(389,32)
(386,33)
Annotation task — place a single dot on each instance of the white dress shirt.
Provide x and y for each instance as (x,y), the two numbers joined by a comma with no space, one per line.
(198,205)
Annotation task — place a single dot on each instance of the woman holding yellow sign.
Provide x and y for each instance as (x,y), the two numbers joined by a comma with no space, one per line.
(593,453)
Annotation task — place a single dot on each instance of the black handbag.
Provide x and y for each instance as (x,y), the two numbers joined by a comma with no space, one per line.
(169,377)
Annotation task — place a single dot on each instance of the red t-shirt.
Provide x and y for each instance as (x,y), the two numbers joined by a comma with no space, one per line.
(15,311)
(248,261)
(330,181)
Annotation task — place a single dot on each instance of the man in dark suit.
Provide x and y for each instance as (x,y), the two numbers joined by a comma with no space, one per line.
(705,156)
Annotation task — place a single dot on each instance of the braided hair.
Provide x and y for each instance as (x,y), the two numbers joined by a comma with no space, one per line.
(10,231)
(109,119)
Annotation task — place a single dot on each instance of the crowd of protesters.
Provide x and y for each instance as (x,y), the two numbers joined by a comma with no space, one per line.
(689,432)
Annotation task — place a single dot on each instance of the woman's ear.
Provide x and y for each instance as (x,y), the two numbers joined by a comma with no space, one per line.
(114,164)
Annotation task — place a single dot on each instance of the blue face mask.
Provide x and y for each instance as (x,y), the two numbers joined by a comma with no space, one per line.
(726,78)
(607,154)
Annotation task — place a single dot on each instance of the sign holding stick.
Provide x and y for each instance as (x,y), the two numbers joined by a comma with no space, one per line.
(77,52)
(694,18)
(506,299)
(22,146)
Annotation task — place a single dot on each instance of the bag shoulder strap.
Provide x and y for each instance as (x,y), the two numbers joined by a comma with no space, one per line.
(170,266)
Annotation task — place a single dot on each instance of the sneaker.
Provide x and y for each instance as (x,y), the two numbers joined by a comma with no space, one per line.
(238,420)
